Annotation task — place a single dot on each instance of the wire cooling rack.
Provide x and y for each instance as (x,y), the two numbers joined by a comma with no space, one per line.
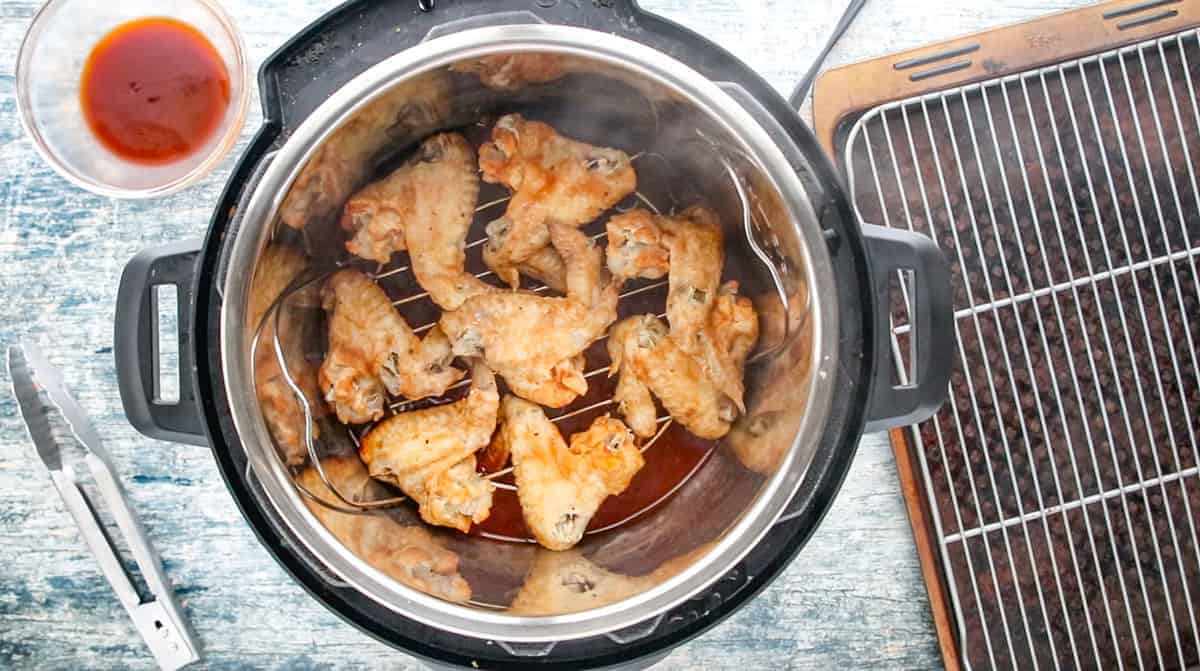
(1061,475)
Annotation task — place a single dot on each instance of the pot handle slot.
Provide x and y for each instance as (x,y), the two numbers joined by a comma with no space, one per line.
(137,341)
(922,384)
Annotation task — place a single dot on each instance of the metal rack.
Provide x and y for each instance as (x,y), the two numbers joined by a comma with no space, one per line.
(1061,474)
(655,290)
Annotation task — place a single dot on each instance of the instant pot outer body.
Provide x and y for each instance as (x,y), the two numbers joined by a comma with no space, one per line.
(297,80)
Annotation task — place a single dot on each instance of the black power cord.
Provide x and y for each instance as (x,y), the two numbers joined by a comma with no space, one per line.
(806,82)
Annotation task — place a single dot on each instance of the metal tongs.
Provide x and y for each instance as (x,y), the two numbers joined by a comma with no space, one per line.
(159,620)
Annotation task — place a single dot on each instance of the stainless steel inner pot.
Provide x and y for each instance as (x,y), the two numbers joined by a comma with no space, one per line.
(703,133)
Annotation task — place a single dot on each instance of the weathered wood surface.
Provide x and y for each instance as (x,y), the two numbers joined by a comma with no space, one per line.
(853,598)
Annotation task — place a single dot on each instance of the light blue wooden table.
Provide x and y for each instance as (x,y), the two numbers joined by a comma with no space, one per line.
(852,599)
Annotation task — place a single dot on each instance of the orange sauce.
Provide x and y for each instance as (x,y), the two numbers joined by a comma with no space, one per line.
(154,90)
(669,461)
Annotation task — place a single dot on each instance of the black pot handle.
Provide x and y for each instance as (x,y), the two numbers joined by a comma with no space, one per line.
(931,307)
(135,344)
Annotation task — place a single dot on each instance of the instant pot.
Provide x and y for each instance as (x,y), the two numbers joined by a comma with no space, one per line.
(825,371)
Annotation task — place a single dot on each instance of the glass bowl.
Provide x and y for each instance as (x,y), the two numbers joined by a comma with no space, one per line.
(49,68)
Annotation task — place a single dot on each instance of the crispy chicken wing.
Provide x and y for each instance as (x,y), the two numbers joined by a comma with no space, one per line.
(636,247)
(546,266)
(430,454)
(536,342)
(561,484)
(408,554)
(632,396)
(371,348)
(347,157)
(726,341)
(425,206)
(553,179)
(689,246)
(278,266)
(532,341)
(697,256)
(712,329)
(703,392)
(678,379)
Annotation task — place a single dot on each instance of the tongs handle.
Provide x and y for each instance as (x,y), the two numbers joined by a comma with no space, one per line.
(158,621)
(93,534)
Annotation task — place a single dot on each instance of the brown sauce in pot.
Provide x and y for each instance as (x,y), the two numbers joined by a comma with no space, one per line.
(669,461)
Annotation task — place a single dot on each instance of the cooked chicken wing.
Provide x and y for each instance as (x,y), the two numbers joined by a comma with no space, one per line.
(568,582)
(703,391)
(636,247)
(697,251)
(495,455)
(511,72)
(536,342)
(712,330)
(278,266)
(677,378)
(632,396)
(762,437)
(371,348)
(408,554)
(561,484)
(726,340)
(346,158)
(430,454)
(690,246)
(425,206)
(546,266)
(553,179)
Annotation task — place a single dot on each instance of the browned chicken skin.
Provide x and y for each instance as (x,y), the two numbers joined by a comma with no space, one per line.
(430,454)
(371,348)
(346,158)
(696,369)
(697,256)
(536,342)
(278,266)
(561,484)
(726,340)
(426,207)
(636,247)
(407,554)
(553,179)
(632,396)
(679,380)
(546,266)
(689,245)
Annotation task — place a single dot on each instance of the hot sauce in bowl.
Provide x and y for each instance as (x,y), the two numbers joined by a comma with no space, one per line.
(154,90)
